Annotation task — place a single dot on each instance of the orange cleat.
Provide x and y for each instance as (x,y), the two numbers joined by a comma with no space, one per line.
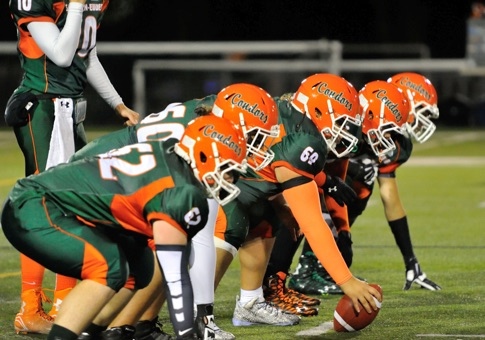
(32,318)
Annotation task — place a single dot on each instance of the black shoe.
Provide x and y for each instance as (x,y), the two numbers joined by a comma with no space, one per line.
(151,330)
(126,332)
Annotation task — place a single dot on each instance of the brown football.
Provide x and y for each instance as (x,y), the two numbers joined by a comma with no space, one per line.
(345,319)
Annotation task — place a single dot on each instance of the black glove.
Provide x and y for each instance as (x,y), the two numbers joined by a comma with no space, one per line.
(362,170)
(336,188)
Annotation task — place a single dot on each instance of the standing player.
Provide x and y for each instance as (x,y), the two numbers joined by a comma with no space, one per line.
(101,211)
(254,111)
(56,46)
(423,99)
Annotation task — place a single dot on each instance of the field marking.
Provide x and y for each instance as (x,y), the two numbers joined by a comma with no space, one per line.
(319,330)
(5,275)
(445,161)
(457,336)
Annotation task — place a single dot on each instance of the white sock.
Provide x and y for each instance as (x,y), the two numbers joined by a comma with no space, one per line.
(248,295)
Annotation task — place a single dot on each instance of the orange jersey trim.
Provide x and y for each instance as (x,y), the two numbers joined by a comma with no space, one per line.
(287,165)
(164,217)
(221,224)
(129,210)
(94,264)
(27,45)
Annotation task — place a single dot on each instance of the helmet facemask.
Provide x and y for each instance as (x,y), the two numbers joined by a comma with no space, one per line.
(259,142)
(220,182)
(380,138)
(343,136)
(421,127)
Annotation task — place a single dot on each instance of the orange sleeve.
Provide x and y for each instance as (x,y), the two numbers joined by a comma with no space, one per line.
(304,203)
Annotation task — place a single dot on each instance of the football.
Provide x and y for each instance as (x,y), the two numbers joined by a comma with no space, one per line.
(345,319)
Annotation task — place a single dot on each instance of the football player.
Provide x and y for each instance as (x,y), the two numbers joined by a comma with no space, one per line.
(254,111)
(57,51)
(423,99)
(100,212)
(296,172)
(337,114)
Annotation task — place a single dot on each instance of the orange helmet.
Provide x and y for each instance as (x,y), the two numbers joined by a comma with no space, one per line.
(215,148)
(424,103)
(332,103)
(386,111)
(255,112)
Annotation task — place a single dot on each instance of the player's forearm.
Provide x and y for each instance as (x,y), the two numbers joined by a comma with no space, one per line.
(59,46)
(305,205)
(393,208)
(99,80)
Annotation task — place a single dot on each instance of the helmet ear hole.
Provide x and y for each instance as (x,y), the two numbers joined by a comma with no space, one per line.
(318,113)
(202,157)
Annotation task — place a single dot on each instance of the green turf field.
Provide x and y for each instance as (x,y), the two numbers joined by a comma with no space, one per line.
(443,190)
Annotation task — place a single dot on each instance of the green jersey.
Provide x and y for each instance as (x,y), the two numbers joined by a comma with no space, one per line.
(126,188)
(387,165)
(169,123)
(300,147)
(40,73)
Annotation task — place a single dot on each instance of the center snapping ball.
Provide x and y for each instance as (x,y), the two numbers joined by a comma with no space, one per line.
(346,319)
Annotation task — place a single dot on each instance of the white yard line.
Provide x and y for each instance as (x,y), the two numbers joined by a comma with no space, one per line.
(319,330)
(456,336)
(445,161)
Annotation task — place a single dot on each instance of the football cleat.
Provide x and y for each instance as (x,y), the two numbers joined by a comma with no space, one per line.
(150,330)
(276,293)
(307,280)
(32,318)
(259,312)
(125,332)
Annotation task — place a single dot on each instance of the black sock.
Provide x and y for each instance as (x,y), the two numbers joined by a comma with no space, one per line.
(283,252)
(400,229)
(205,309)
(60,333)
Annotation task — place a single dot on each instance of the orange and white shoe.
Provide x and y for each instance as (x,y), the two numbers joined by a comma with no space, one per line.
(32,318)
(59,296)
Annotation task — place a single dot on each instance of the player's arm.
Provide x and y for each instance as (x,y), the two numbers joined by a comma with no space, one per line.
(388,189)
(99,80)
(302,196)
(59,46)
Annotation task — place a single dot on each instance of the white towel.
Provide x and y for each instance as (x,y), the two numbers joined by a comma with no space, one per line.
(62,138)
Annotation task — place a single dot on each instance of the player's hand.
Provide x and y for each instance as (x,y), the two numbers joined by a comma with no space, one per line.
(415,275)
(360,291)
(131,117)
(363,170)
(336,188)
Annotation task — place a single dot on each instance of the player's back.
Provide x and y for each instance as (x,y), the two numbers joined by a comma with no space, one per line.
(118,187)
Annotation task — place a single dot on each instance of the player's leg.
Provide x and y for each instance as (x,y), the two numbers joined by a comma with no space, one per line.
(275,290)
(33,140)
(251,306)
(77,255)
(309,276)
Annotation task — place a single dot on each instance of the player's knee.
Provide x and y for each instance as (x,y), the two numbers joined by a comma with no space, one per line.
(224,245)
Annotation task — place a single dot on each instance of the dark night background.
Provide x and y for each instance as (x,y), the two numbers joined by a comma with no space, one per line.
(438,23)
